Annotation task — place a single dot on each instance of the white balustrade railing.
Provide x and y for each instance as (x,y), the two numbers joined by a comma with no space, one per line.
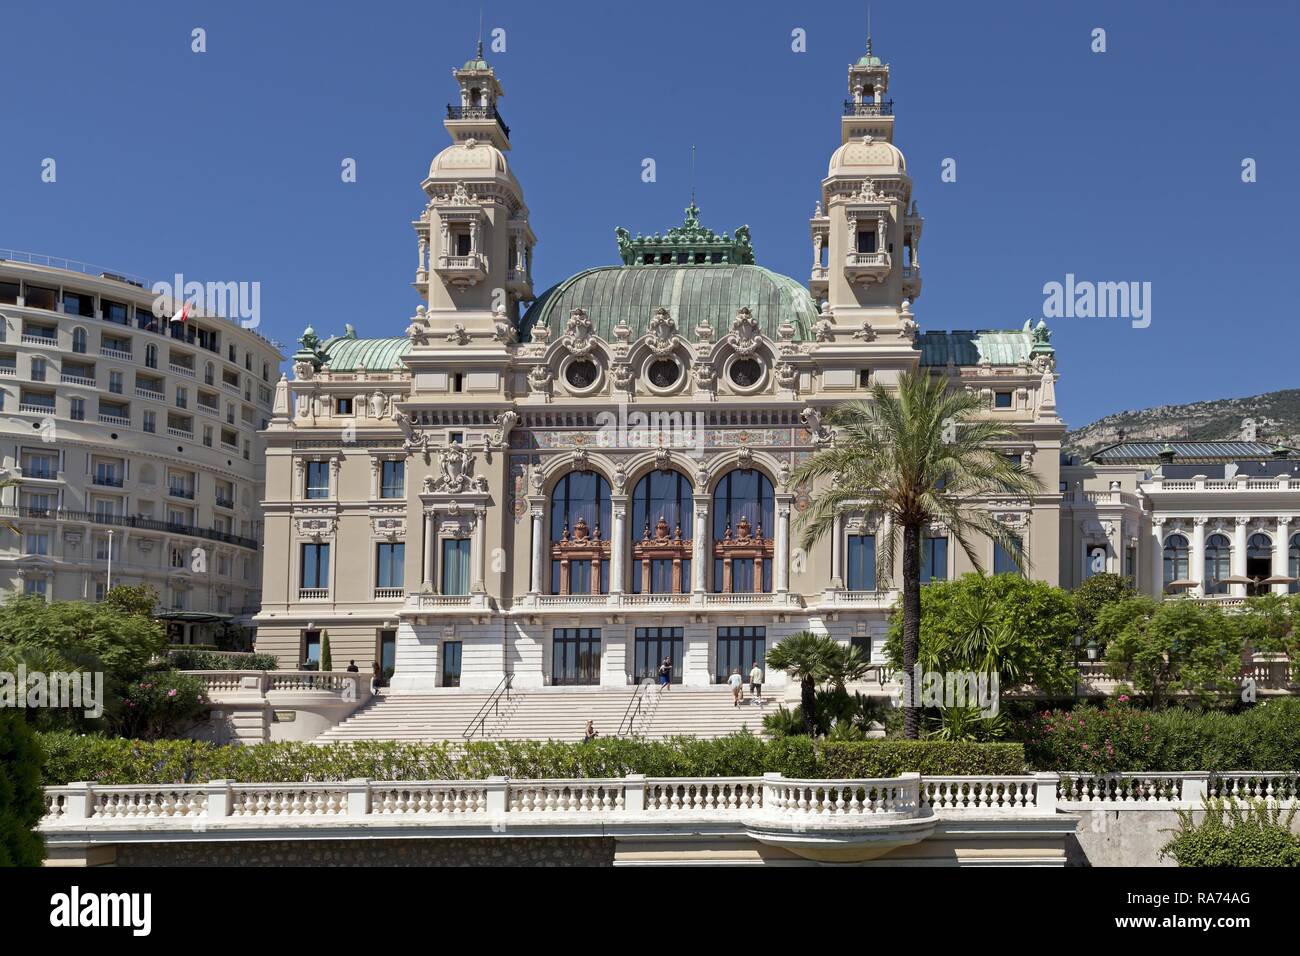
(638,799)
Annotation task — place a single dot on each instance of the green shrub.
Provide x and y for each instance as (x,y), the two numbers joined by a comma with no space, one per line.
(199,659)
(1119,738)
(1235,836)
(118,761)
(162,704)
(21,802)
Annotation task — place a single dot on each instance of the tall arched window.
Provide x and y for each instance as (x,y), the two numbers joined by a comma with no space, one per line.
(1218,563)
(579,548)
(661,523)
(742,528)
(1293,565)
(1177,559)
(209,375)
(151,356)
(1259,563)
(79,340)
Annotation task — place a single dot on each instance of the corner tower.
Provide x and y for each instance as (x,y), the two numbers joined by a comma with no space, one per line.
(475,243)
(866,229)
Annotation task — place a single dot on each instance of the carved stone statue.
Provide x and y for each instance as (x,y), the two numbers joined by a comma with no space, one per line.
(661,332)
(812,420)
(744,333)
(456,466)
(578,337)
(505,423)
(379,405)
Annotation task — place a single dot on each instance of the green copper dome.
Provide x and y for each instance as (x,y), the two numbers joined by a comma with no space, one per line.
(693,294)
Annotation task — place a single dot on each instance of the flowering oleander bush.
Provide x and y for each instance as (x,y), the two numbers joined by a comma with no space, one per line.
(119,761)
(1121,737)
(161,704)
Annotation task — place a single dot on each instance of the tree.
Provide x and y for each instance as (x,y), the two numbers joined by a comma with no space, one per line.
(1177,646)
(140,600)
(1099,592)
(805,657)
(22,803)
(326,661)
(1020,630)
(919,455)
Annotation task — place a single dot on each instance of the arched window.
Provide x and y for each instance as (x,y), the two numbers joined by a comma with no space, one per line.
(1293,565)
(266,371)
(661,523)
(1259,563)
(579,549)
(742,525)
(1218,563)
(79,341)
(151,356)
(1177,559)
(208,374)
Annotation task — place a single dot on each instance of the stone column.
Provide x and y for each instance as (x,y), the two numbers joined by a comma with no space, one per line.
(1197,570)
(781,573)
(618,545)
(1156,587)
(700,558)
(1282,551)
(431,549)
(1114,542)
(538,544)
(1239,555)
(478,552)
(837,552)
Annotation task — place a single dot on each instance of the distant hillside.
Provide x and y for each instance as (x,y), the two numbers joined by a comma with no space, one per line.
(1276,415)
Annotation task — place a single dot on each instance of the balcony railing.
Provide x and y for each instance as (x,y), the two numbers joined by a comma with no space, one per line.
(124,521)
(37,408)
(179,491)
(109,352)
(390,594)
(478,112)
(8,369)
(67,378)
(47,341)
(149,394)
(107,480)
(181,370)
(868,108)
(313,594)
(121,420)
(213,410)
(180,433)
(223,502)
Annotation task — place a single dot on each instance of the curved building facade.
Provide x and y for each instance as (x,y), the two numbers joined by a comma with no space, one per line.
(129,446)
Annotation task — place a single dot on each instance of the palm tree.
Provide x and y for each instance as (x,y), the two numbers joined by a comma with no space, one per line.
(919,454)
(807,658)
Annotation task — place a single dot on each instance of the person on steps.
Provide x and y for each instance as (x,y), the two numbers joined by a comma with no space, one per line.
(737,685)
(756,683)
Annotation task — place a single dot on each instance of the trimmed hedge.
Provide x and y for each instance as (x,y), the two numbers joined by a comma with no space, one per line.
(21,802)
(1120,738)
(204,660)
(117,761)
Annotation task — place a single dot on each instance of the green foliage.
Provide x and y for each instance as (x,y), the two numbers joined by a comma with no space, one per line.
(839,715)
(161,704)
(1175,646)
(1233,836)
(1119,738)
(140,600)
(22,803)
(809,659)
(1269,625)
(119,761)
(1021,630)
(1094,595)
(190,659)
(326,660)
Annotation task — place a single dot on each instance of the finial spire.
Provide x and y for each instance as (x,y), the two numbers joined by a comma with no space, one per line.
(692,174)
(479,48)
(868,29)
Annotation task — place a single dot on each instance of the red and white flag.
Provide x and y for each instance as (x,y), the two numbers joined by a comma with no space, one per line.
(183,314)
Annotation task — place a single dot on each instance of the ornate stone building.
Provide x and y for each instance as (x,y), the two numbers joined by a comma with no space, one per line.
(571,486)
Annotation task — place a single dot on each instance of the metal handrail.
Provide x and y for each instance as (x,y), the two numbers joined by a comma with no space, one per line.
(493,701)
(634,707)
(868,108)
(126,521)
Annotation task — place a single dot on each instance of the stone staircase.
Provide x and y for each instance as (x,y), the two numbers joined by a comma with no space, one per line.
(552,713)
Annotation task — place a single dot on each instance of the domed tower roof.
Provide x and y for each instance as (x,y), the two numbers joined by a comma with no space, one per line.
(699,276)
(867,156)
(471,160)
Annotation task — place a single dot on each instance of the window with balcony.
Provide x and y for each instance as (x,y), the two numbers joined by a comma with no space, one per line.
(115,312)
(37,334)
(34,401)
(392,479)
(580,554)
(78,303)
(743,508)
(455,566)
(40,465)
(9,293)
(180,484)
(861,565)
(317,480)
(145,319)
(39,503)
(315,567)
(39,297)
(662,529)
(108,474)
(390,562)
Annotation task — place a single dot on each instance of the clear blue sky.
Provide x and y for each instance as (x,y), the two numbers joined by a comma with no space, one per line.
(1122,166)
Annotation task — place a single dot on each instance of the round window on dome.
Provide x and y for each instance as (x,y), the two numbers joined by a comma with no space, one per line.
(581,374)
(663,373)
(746,373)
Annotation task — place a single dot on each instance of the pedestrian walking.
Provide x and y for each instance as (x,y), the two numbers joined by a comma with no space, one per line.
(737,685)
(756,683)
(666,673)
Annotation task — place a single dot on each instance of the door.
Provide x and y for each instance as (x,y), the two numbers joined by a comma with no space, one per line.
(740,648)
(653,644)
(575,655)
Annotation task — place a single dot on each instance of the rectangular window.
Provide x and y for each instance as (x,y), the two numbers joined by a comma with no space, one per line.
(343,406)
(653,645)
(34,586)
(36,542)
(934,559)
(115,382)
(77,409)
(861,562)
(1001,399)
(74,303)
(315,566)
(866,240)
(1002,562)
(455,565)
(318,479)
(115,311)
(38,369)
(462,244)
(150,423)
(390,560)
(392,479)
(310,654)
(387,656)
(739,648)
(862,642)
(575,656)
(451,663)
